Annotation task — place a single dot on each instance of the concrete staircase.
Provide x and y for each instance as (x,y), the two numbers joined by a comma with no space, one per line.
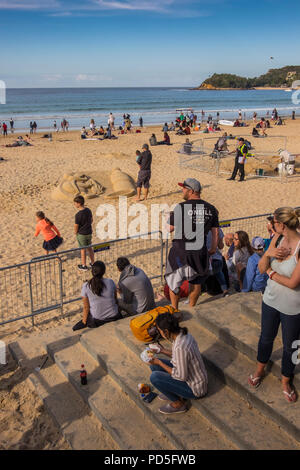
(108,413)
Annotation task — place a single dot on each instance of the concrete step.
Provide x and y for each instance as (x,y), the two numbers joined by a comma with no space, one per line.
(232,414)
(240,332)
(116,411)
(251,306)
(234,368)
(79,426)
(187,431)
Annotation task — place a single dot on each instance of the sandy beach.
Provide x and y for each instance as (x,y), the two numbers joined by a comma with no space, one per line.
(27,177)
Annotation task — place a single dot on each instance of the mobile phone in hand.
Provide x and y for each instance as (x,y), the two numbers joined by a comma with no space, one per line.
(150,397)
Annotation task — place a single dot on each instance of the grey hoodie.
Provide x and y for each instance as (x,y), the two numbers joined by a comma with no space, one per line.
(136,289)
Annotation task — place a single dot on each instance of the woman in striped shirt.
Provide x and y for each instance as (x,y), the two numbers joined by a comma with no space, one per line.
(185,376)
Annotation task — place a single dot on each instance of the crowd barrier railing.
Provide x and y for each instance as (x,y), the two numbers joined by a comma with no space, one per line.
(49,282)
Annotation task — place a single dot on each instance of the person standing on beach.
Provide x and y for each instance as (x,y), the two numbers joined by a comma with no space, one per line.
(239,165)
(111,121)
(263,127)
(52,238)
(83,231)
(141,122)
(144,161)
(54,126)
(11,125)
(4,128)
(34,126)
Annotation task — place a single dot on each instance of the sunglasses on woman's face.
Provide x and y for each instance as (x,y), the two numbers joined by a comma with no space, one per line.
(236,239)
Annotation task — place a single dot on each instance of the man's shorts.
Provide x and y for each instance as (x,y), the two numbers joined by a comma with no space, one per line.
(84,240)
(144,179)
(198,280)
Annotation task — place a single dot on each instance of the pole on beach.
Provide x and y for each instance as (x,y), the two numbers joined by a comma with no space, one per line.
(30,293)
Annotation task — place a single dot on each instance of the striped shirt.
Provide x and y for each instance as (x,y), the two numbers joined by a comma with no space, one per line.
(188,365)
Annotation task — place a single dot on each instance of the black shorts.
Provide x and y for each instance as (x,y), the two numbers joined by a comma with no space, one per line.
(198,280)
(143,179)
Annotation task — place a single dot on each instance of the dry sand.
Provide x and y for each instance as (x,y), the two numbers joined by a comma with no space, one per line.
(27,178)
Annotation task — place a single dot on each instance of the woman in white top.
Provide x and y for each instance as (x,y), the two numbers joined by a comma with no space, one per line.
(185,376)
(281,300)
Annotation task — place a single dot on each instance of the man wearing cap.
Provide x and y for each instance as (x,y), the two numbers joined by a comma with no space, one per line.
(188,258)
(144,161)
(239,164)
(253,279)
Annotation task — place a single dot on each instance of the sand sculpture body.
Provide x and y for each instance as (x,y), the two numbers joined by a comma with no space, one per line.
(122,183)
(76,184)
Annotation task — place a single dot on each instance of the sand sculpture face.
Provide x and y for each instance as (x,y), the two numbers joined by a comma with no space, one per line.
(76,184)
(122,184)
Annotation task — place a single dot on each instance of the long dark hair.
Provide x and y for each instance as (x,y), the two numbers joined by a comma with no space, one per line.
(166,321)
(41,216)
(244,241)
(96,284)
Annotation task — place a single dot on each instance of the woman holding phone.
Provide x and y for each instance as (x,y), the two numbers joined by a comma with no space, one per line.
(185,376)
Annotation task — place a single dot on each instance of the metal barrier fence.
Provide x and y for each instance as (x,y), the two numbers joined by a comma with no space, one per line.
(50,282)
(209,160)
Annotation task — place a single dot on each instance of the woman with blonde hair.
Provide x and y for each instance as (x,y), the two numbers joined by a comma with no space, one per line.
(281,300)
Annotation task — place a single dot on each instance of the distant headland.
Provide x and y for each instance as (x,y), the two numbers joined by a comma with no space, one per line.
(274,79)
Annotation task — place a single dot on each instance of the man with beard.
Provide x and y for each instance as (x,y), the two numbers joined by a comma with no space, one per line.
(189,257)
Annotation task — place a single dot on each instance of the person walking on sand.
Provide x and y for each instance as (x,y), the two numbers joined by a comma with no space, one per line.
(52,238)
(83,231)
(144,161)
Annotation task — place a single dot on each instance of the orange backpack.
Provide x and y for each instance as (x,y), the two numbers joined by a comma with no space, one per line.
(141,325)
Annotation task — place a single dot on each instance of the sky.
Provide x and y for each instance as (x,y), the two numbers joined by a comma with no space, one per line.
(130,43)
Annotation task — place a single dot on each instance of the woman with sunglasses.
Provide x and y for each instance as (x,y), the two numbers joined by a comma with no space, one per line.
(281,300)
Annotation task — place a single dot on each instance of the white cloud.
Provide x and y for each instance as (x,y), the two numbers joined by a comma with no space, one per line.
(85,77)
(134,5)
(87,7)
(29,5)
(52,77)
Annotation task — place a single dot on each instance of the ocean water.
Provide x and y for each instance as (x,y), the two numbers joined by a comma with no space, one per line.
(155,105)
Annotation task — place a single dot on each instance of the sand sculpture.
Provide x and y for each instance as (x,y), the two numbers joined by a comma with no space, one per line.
(122,184)
(76,184)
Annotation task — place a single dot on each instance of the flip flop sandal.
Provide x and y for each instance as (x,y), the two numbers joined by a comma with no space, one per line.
(254,381)
(289,396)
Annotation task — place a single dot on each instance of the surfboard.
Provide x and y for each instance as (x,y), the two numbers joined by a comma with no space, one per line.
(226,123)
